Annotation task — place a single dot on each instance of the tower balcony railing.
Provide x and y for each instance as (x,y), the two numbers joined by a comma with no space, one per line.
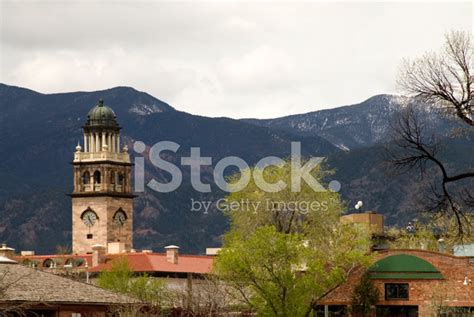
(101,187)
(91,188)
(115,187)
(101,156)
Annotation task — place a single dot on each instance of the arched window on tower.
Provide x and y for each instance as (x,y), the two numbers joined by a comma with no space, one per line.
(96,177)
(86,178)
(120,181)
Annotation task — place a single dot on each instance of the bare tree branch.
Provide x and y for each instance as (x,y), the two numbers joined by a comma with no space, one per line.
(444,79)
(415,150)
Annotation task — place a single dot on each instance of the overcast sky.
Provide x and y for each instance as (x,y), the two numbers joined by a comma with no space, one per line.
(236,59)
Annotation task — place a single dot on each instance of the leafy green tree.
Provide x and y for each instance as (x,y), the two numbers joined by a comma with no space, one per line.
(428,235)
(148,290)
(422,238)
(287,210)
(364,298)
(287,249)
(118,278)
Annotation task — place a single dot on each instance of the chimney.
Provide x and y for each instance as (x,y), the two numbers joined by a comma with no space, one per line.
(172,254)
(441,245)
(370,219)
(98,254)
(6,251)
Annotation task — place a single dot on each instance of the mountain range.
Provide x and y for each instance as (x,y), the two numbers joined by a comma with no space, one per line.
(38,134)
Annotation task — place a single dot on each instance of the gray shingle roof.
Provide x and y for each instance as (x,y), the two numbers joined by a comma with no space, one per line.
(24,284)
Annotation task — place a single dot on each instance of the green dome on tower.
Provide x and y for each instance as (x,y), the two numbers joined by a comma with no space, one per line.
(101,115)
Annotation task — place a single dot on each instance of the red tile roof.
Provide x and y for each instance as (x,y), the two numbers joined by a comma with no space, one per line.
(64,257)
(156,262)
(139,262)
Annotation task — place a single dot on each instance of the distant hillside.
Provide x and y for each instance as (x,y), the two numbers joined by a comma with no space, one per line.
(350,127)
(363,131)
(38,134)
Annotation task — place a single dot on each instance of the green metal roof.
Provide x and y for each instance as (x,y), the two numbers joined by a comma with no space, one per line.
(101,115)
(403,266)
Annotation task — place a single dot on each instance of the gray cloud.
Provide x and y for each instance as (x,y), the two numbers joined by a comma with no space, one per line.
(235,59)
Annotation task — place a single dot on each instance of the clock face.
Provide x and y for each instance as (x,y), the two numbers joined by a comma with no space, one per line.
(89,218)
(120,218)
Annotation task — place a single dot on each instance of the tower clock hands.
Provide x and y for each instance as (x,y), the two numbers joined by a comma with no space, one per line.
(89,218)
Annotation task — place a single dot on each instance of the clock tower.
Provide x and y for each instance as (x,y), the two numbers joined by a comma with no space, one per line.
(102,199)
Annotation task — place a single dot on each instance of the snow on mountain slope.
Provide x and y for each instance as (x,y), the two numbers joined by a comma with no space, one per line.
(354,126)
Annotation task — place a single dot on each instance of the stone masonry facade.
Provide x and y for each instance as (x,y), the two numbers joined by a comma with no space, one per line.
(105,230)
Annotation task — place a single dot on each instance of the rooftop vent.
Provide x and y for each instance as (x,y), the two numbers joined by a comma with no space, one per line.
(6,251)
(98,254)
(172,254)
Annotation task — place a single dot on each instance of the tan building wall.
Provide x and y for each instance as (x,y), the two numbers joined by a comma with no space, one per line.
(373,221)
(104,230)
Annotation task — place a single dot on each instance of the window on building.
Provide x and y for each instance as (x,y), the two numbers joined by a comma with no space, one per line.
(120,179)
(96,177)
(79,262)
(69,262)
(48,263)
(332,310)
(398,310)
(76,315)
(396,291)
(86,178)
(89,236)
